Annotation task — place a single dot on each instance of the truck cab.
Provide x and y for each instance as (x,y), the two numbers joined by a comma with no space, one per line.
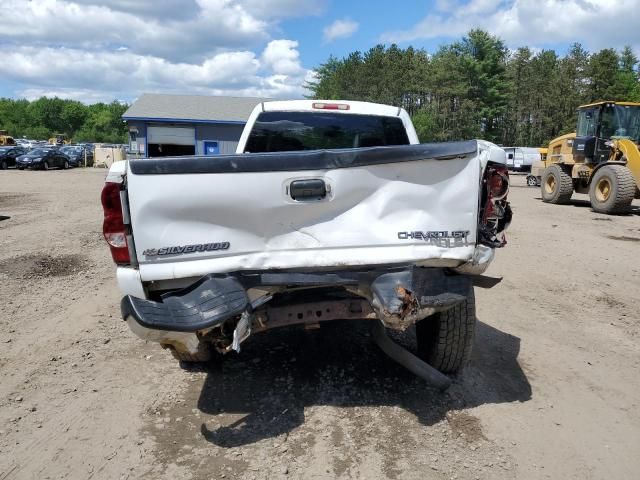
(297,125)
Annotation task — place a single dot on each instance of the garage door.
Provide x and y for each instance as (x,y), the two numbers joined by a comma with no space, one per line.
(171,135)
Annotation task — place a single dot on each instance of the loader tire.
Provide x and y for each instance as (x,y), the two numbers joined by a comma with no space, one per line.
(556,185)
(612,190)
(445,338)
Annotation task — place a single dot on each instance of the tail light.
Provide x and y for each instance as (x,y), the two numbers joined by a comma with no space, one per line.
(495,212)
(113,227)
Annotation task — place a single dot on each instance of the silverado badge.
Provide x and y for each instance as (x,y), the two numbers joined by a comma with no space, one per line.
(182,249)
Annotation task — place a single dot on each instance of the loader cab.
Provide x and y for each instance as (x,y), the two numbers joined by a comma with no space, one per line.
(586,144)
(58,139)
(599,123)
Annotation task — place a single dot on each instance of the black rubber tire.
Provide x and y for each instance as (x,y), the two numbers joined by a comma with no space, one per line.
(532,181)
(3,165)
(623,189)
(66,165)
(45,166)
(445,339)
(563,185)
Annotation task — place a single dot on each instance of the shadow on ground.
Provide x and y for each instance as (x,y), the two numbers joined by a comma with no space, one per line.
(586,204)
(574,202)
(280,373)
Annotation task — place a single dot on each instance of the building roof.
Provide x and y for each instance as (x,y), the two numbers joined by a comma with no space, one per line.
(192,108)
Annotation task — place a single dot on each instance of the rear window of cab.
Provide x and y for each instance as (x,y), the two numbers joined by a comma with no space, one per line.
(295,131)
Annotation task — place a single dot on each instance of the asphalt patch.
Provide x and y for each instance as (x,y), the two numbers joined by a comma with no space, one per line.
(43,266)
(14,199)
(467,424)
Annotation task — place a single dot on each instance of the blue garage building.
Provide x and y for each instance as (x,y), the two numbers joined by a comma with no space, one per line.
(166,125)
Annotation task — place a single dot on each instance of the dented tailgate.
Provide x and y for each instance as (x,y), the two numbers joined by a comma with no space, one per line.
(193,216)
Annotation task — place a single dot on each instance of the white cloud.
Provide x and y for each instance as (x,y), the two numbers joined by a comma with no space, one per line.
(595,23)
(282,57)
(218,24)
(105,49)
(123,74)
(284,8)
(339,29)
(85,95)
(173,9)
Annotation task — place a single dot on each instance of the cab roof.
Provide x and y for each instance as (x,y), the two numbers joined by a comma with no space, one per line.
(629,104)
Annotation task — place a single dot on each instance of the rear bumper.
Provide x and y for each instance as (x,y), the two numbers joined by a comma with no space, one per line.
(397,296)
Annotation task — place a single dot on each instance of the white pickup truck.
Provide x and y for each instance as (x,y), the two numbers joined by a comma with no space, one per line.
(328,210)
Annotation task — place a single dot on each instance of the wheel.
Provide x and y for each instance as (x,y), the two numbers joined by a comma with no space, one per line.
(556,186)
(532,181)
(45,166)
(445,338)
(612,189)
(3,165)
(66,165)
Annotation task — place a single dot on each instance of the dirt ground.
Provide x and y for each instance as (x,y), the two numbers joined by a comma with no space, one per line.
(552,391)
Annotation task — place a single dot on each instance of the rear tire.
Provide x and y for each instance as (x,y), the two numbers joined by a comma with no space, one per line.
(556,186)
(445,339)
(3,165)
(66,165)
(45,166)
(532,181)
(612,189)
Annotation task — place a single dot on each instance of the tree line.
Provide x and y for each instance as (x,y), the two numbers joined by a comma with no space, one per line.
(40,119)
(477,88)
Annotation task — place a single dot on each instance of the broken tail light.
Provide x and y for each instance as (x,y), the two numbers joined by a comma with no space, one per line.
(495,212)
(113,227)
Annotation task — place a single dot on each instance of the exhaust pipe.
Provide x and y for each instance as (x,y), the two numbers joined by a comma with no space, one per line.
(407,359)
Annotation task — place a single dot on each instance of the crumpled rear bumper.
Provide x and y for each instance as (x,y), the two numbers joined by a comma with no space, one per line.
(398,296)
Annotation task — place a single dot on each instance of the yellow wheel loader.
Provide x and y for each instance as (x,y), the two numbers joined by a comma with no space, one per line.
(58,139)
(602,159)
(6,139)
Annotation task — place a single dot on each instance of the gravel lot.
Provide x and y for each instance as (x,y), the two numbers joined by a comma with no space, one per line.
(552,390)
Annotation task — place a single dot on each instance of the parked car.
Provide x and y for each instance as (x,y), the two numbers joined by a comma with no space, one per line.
(44,158)
(394,231)
(8,156)
(76,154)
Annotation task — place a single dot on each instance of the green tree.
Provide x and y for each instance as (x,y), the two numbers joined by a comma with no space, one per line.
(73,116)
(43,117)
(603,73)
(626,84)
(484,59)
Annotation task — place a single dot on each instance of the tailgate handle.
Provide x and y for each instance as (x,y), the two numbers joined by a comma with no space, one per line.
(311,189)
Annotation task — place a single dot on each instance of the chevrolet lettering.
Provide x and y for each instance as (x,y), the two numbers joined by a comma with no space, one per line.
(426,236)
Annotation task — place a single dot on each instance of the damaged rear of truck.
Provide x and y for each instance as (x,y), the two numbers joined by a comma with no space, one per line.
(210,250)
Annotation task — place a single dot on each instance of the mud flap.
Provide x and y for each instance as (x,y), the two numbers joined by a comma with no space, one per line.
(205,304)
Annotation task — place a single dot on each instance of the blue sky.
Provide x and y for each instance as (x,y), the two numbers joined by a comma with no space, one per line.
(100,50)
(373,18)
